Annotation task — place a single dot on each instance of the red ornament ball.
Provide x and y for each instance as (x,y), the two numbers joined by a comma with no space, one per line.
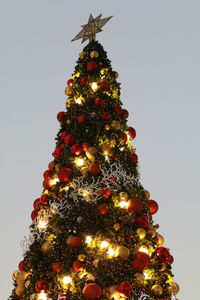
(103,209)
(21,266)
(36,203)
(57,267)
(63,297)
(91,66)
(78,266)
(41,285)
(34,214)
(92,291)
(141,261)
(125,289)
(134,158)
(106,115)
(152,206)
(60,116)
(105,193)
(163,255)
(64,174)
(135,206)
(70,82)
(47,174)
(170,261)
(85,146)
(80,119)
(117,109)
(94,169)
(63,135)
(44,200)
(58,151)
(131,133)
(74,242)
(51,165)
(69,139)
(104,85)
(142,222)
(76,149)
(84,80)
(48,183)
(124,114)
(124,138)
(99,102)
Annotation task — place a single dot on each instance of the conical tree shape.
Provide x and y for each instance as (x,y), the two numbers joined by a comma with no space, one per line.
(93,235)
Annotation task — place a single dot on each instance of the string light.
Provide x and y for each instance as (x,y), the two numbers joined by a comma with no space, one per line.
(42,224)
(111,252)
(104,244)
(78,101)
(79,162)
(123,204)
(88,239)
(94,86)
(146,275)
(55,180)
(67,280)
(144,249)
(42,296)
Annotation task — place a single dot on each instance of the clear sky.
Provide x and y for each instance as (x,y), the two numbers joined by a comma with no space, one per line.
(154,45)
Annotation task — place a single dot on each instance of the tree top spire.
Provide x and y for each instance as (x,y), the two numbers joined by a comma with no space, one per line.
(90,29)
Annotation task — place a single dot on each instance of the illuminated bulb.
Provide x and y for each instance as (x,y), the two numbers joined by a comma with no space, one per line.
(123,204)
(106,157)
(42,224)
(42,296)
(79,162)
(55,180)
(66,188)
(111,252)
(88,239)
(144,249)
(104,244)
(121,149)
(146,275)
(83,274)
(78,101)
(67,280)
(94,86)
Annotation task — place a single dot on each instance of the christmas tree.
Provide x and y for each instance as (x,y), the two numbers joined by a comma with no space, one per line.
(93,235)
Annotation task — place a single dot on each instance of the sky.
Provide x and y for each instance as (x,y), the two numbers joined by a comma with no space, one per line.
(154,46)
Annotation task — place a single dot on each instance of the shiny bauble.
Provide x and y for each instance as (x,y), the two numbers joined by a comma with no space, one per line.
(47,247)
(48,183)
(60,116)
(69,139)
(106,148)
(117,226)
(91,66)
(84,170)
(117,109)
(21,277)
(84,80)
(124,137)
(141,261)
(103,209)
(139,279)
(94,169)
(99,102)
(131,133)
(74,242)
(106,115)
(152,206)
(104,85)
(34,297)
(107,127)
(70,82)
(125,113)
(147,194)
(123,252)
(142,222)
(163,255)
(21,265)
(92,291)
(76,149)
(15,274)
(57,267)
(116,74)
(90,277)
(135,206)
(159,240)
(157,290)
(125,289)
(58,151)
(77,266)
(62,297)
(51,165)
(141,233)
(20,290)
(41,285)
(44,200)
(85,146)
(116,125)
(123,196)
(64,174)
(91,152)
(173,288)
(68,91)
(79,219)
(94,54)
(134,158)
(81,257)
(152,232)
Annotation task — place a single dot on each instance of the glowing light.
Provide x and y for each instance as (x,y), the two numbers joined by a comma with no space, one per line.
(42,296)
(66,188)
(106,157)
(94,86)
(123,204)
(104,244)
(67,280)
(111,252)
(121,149)
(144,249)
(146,275)
(83,274)
(55,180)
(78,101)
(79,162)
(88,239)
(42,224)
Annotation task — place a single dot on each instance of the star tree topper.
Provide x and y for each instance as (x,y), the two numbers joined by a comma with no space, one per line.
(90,29)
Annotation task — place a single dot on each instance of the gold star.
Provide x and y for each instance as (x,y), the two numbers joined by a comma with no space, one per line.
(90,29)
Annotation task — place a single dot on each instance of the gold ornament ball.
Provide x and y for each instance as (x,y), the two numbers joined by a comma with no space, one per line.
(94,54)
(157,290)
(82,55)
(70,101)
(68,122)
(123,252)
(15,274)
(123,196)
(106,148)
(91,152)
(21,277)
(81,257)
(152,232)
(34,297)
(90,277)
(139,279)
(107,127)
(47,247)
(160,240)
(84,170)
(147,194)
(174,288)
(68,91)
(117,226)
(20,290)
(116,74)
(116,125)
(141,233)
